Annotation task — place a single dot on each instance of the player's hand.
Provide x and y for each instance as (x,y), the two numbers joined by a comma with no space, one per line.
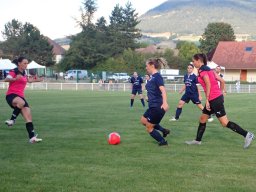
(18,77)
(200,98)
(207,105)
(165,106)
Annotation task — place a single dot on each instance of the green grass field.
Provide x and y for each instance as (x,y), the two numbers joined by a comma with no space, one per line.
(75,156)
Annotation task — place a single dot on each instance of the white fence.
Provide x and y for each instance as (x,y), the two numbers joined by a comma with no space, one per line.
(231,88)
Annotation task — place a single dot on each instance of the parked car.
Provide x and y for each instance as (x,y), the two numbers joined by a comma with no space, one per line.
(119,77)
(74,74)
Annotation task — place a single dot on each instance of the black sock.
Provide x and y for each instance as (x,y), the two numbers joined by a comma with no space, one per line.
(15,113)
(142,101)
(132,100)
(30,129)
(178,112)
(200,131)
(236,128)
(159,128)
(156,135)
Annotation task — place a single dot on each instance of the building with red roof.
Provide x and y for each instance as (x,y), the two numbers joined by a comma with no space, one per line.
(238,58)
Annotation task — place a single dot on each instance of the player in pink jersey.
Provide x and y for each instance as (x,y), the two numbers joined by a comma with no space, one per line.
(16,99)
(214,102)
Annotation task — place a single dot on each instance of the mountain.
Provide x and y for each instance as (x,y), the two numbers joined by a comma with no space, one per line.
(192,16)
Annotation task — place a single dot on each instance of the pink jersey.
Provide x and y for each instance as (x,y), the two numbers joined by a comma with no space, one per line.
(17,87)
(215,90)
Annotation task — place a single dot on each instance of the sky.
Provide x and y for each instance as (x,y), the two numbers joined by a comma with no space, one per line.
(56,18)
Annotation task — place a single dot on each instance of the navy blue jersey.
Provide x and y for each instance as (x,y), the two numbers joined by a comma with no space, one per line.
(154,93)
(136,82)
(190,83)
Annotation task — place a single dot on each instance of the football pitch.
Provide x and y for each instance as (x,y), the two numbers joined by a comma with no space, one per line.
(75,156)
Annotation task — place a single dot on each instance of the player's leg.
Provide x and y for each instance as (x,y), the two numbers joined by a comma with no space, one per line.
(181,103)
(163,130)
(201,128)
(17,103)
(132,97)
(150,118)
(141,97)
(26,113)
(218,107)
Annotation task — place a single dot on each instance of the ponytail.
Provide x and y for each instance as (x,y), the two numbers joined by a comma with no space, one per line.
(18,60)
(158,63)
(202,57)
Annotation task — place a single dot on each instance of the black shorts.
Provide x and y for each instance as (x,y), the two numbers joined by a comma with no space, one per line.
(217,107)
(154,115)
(194,98)
(135,91)
(9,99)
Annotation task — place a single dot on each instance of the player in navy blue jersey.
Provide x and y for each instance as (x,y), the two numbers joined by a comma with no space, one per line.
(192,93)
(137,82)
(157,102)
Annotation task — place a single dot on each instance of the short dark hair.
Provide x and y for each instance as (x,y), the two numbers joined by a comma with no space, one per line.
(191,65)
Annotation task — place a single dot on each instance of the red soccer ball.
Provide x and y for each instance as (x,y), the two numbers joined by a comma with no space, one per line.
(114,138)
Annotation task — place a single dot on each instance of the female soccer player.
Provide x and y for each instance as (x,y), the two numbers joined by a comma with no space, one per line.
(157,102)
(136,88)
(214,102)
(192,93)
(16,99)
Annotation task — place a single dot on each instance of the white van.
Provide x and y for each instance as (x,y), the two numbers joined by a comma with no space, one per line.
(74,74)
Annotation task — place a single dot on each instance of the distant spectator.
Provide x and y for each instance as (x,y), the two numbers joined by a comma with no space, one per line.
(238,86)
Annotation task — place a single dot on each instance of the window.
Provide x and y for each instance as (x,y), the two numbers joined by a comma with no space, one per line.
(248,49)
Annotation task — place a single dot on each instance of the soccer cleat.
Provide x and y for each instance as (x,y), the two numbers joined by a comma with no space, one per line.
(173,119)
(166,132)
(194,142)
(163,143)
(35,139)
(9,122)
(210,119)
(248,139)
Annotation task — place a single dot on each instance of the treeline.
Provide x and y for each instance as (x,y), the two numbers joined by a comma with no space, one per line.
(97,44)
(105,47)
(25,39)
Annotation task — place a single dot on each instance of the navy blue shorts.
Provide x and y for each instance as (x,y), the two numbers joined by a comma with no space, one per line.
(194,98)
(9,99)
(135,91)
(154,115)
(217,107)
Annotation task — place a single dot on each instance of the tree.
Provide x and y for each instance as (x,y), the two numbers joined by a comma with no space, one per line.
(26,40)
(87,13)
(123,31)
(186,52)
(98,42)
(214,33)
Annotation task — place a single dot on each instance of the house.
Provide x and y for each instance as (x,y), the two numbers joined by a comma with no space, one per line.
(58,51)
(238,58)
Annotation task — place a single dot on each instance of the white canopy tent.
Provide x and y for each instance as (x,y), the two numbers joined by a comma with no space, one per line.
(6,64)
(34,65)
(213,65)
